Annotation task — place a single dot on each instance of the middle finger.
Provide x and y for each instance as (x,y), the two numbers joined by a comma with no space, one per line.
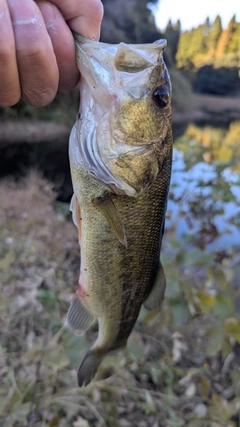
(36,60)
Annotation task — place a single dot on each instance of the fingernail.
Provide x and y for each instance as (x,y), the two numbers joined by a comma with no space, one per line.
(23,13)
(48,12)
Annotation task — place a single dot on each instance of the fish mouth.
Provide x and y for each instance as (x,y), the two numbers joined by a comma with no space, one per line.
(129,58)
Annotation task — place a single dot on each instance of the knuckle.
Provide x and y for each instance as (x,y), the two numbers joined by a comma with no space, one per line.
(6,54)
(34,54)
(99,10)
(39,75)
(39,97)
(94,10)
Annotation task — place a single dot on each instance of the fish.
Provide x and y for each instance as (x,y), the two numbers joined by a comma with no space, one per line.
(120,153)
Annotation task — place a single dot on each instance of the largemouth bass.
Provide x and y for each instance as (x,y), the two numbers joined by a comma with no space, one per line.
(120,157)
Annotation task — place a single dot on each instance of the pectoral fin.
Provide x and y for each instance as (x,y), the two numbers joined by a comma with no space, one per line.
(106,206)
(156,295)
(76,215)
(79,318)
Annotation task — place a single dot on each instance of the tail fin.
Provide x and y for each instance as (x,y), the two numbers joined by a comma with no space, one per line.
(88,367)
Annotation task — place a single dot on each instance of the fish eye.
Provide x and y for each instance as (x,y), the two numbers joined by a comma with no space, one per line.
(161,96)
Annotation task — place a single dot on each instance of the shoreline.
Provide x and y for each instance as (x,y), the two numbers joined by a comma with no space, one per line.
(217,109)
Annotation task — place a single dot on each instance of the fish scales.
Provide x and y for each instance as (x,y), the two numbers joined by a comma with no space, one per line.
(139,267)
(121,172)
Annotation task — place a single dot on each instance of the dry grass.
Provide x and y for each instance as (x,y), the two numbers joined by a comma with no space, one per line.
(164,379)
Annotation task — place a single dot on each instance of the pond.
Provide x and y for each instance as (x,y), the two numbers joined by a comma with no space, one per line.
(204,201)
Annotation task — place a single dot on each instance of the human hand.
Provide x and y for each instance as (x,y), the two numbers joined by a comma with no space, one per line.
(37,50)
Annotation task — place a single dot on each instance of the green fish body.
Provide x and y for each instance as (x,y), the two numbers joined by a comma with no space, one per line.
(120,156)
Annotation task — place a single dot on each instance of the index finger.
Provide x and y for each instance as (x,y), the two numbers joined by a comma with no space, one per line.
(83,16)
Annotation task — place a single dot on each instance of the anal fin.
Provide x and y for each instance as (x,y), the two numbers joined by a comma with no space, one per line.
(110,213)
(156,295)
(79,318)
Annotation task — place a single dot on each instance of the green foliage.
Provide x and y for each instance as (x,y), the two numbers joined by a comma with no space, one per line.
(184,50)
(214,34)
(234,42)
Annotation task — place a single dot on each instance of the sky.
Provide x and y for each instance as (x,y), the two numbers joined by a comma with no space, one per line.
(193,13)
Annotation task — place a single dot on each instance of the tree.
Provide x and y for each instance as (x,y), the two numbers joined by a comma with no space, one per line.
(225,37)
(213,35)
(191,45)
(172,35)
(209,44)
(130,21)
(184,54)
(234,43)
(207,27)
